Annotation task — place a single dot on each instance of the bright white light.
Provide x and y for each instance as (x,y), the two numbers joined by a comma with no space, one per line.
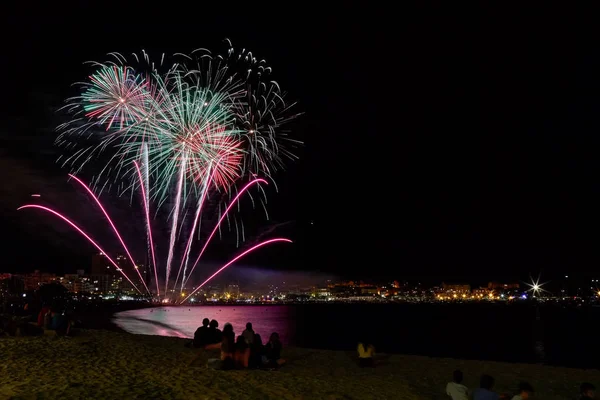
(536,287)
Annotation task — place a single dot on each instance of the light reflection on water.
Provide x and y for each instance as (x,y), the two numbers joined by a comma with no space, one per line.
(183,321)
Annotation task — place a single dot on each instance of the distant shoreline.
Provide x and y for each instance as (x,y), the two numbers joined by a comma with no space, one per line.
(100,316)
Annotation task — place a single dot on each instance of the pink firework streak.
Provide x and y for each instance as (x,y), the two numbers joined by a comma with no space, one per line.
(259,180)
(175,219)
(235,259)
(113,227)
(186,253)
(137,168)
(84,235)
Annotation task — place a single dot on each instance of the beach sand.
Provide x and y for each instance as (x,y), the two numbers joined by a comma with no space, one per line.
(115,365)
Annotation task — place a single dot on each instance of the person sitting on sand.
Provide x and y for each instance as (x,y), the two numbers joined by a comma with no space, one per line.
(60,323)
(587,390)
(248,333)
(366,351)
(273,351)
(48,320)
(42,315)
(227,347)
(228,333)
(484,392)
(242,353)
(214,333)
(56,320)
(455,389)
(525,391)
(201,334)
(257,352)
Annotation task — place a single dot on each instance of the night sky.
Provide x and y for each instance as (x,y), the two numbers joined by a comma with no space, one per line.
(456,144)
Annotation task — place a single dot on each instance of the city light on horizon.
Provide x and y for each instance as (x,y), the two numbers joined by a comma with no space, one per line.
(536,287)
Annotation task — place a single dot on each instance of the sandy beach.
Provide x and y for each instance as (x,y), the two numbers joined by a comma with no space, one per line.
(111,365)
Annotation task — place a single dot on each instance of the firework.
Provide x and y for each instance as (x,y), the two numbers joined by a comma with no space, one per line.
(115,94)
(186,117)
(173,132)
(144,189)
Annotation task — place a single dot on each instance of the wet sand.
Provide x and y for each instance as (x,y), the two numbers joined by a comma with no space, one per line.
(111,365)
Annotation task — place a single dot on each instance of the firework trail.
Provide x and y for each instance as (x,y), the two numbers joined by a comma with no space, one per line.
(78,229)
(149,227)
(234,260)
(113,227)
(186,253)
(233,202)
(175,219)
(146,200)
(185,257)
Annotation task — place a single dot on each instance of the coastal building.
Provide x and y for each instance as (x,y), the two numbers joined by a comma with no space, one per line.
(214,291)
(458,289)
(320,292)
(101,283)
(144,272)
(388,291)
(232,291)
(100,264)
(76,283)
(369,290)
(503,286)
(122,261)
(481,292)
(36,279)
(108,280)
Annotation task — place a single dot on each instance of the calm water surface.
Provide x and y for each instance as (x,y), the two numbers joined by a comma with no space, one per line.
(516,333)
(183,321)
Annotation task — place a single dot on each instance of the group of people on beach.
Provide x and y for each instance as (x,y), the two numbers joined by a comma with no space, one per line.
(457,391)
(244,351)
(50,318)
